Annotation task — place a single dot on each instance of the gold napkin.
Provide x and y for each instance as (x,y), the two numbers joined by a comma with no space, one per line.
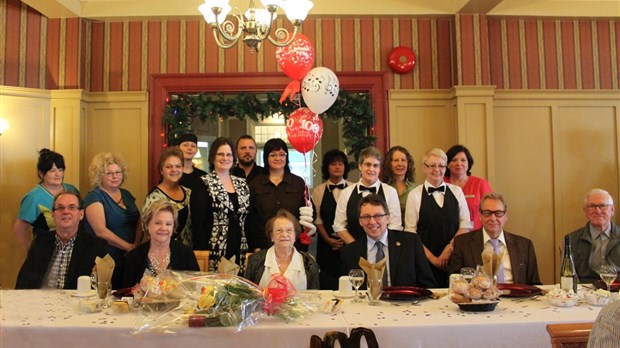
(491,261)
(103,269)
(373,271)
(228,266)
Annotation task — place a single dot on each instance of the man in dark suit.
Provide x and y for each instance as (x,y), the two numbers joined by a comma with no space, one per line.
(519,263)
(406,265)
(57,259)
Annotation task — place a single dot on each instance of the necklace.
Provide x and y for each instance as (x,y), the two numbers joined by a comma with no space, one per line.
(283,265)
(155,264)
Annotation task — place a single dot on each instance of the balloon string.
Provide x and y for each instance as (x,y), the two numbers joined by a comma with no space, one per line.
(307,185)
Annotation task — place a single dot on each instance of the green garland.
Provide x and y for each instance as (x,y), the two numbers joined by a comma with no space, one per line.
(353,108)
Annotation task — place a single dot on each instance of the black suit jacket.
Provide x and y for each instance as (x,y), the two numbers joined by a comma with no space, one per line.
(468,249)
(86,248)
(408,264)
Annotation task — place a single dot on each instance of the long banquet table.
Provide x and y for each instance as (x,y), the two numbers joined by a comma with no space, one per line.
(51,318)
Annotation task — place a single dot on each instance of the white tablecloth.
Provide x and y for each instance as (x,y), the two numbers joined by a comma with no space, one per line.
(40,318)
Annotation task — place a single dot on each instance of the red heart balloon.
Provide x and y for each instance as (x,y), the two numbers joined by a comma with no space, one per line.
(296,59)
(304,129)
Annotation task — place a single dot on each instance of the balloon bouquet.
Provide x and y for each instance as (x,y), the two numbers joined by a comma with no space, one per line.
(319,89)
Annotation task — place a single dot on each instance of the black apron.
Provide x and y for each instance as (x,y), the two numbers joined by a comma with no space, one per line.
(327,258)
(437,226)
(353,223)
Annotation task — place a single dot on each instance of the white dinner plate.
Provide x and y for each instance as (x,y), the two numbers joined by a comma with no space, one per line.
(89,294)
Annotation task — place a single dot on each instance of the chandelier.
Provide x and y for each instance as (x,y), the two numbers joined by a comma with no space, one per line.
(256,24)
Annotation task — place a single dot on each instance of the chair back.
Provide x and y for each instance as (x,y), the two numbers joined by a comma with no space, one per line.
(569,335)
(202,256)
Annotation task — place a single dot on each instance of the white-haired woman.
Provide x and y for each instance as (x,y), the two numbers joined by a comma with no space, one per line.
(438,212)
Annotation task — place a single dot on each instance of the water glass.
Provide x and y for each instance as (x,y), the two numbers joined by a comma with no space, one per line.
(375,286)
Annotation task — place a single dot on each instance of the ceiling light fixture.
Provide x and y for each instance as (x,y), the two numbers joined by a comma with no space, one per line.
(255,24)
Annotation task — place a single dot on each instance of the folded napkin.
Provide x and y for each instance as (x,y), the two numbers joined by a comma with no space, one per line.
(103,269)
(228,266)
(491,261)
(373,271)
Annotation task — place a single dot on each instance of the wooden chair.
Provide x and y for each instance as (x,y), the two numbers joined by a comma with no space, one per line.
(569,335)
(202,256)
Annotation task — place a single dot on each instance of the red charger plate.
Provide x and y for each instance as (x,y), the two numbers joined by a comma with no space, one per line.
(615,286)
(519,290)
(404,293)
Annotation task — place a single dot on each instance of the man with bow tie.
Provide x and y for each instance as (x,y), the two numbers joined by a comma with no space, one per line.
(438,212)
(406,264)
(346,222)
(518,264)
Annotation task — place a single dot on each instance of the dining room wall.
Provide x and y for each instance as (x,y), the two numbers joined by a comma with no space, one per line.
(78,125)
(542,149)
(465,49)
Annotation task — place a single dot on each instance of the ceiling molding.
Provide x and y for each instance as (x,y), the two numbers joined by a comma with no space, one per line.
(116,10)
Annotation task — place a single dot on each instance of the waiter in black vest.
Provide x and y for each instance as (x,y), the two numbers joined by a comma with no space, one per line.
(438,212)
(346,222)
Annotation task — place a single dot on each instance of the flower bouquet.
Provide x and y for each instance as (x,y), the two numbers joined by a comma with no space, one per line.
(175,300)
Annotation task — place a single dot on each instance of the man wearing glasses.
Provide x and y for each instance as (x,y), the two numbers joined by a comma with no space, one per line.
(57,259)
(598,241)
(519,263)
(406,264)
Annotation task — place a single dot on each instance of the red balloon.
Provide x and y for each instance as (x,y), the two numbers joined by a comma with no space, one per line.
(296,59)
(304,129)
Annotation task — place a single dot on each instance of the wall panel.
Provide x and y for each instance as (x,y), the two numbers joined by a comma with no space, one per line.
(523,174)
(118,123)
(28,115)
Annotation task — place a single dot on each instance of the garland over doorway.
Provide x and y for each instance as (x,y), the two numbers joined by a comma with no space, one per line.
(354,109)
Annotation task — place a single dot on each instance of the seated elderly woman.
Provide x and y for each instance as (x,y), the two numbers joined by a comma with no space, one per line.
(282,257)
(160,252)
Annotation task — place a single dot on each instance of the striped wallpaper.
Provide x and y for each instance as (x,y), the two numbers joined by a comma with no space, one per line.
(511,53)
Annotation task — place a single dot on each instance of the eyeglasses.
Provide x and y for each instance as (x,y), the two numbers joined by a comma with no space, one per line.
(221,154)
(602,206)
(370,165)
(116,173)
(435,166)
(497,213)
(277,155)
(284,231)
(72,208)
(366,218)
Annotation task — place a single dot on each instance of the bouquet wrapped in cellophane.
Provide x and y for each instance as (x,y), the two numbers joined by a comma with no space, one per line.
(175,300)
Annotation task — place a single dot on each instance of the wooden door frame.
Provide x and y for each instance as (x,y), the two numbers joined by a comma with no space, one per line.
(161,86)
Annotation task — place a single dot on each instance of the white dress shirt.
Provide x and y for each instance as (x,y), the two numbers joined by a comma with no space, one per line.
(391,197)
(486,240)
(372,253)
(414,200)
(317,196)
(295,272)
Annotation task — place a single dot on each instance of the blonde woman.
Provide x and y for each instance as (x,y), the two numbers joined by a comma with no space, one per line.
(160,252)
(111,212)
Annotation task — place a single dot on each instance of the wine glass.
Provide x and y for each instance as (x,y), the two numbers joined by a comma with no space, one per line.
(608,274)
(356,276)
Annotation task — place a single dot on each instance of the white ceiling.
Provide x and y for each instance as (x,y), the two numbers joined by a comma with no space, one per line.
(140,9)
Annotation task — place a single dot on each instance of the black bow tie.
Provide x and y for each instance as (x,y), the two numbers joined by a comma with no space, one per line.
(369,189)
(332,187)
(441,189)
